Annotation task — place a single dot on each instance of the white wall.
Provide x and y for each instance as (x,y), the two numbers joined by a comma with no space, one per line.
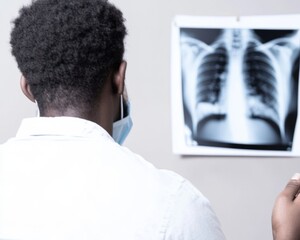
(241,190)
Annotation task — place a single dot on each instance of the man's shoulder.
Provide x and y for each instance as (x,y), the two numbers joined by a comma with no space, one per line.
(166,180)
(181,203)
(167,176)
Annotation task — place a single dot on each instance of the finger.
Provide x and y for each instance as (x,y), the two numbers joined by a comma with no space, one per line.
(292,188)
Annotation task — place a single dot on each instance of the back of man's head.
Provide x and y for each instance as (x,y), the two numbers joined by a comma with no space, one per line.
(66,49)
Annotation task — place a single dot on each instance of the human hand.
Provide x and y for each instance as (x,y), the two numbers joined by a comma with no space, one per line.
(286,212)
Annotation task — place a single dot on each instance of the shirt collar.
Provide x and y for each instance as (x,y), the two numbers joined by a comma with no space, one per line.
(61,126)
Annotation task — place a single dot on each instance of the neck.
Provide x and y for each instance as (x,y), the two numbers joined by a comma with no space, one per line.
(103,112)
(100,117)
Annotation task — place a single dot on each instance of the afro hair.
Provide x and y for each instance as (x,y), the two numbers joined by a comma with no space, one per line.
(66,49)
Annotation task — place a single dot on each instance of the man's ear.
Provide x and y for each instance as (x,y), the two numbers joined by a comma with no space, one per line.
(119,78)
(26,89)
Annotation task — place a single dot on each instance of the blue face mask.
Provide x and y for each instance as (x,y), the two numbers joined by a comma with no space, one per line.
(122,127)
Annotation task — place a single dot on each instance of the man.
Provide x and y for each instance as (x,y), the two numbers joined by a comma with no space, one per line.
(65,176)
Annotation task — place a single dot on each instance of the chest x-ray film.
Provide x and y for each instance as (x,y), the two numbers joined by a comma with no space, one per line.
(235,85)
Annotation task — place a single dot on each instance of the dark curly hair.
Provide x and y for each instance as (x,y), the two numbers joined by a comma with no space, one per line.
(66,49)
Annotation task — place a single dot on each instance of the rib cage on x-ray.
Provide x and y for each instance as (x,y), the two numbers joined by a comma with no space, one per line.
(210,73)
(237,68)
(260,77)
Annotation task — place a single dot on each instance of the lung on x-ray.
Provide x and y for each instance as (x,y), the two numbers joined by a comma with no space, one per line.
(237,87)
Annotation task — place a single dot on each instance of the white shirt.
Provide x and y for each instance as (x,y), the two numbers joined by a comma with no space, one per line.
(66,179)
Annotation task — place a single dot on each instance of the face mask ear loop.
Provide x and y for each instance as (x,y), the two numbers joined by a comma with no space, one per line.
(122,107)
(37,109)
